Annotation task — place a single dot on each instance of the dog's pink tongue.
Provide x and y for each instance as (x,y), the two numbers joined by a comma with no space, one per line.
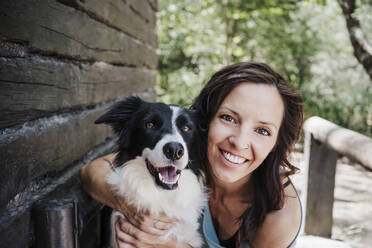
(169,173)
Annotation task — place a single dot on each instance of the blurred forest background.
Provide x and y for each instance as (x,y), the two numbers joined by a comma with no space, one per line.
(308,42)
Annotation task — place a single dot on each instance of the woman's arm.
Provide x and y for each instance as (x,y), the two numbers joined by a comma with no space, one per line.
(280,227)
(93,177)
(142,229)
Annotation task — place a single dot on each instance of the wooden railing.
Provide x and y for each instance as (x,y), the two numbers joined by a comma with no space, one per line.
(325,142)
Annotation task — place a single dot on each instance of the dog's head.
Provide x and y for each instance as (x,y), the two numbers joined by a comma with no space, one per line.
(162,134)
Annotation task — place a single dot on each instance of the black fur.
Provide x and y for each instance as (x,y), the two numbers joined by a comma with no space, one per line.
(129,118)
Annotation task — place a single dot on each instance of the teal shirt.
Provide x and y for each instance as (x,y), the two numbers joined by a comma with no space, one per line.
(210,235)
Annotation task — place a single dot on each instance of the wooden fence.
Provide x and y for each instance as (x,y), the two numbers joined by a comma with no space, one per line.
(62,63)
(325,142)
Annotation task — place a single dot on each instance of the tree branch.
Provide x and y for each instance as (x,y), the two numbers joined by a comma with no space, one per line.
(362,49)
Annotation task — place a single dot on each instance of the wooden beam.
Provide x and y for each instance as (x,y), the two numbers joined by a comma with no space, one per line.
(35,87)
(346,142)
(135,18)
(52,28)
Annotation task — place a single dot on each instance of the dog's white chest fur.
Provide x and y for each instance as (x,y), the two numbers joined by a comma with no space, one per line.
(134,182)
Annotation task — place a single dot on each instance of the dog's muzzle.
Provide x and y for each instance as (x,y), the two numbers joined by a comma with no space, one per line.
(166,177)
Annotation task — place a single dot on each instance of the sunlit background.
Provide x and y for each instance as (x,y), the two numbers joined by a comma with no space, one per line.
(306,41)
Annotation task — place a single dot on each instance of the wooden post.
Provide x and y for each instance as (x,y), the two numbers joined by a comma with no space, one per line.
(56,224)
(321,166)
(324,142)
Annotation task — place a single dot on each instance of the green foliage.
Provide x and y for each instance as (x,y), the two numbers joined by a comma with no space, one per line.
(340,90)
(306,41)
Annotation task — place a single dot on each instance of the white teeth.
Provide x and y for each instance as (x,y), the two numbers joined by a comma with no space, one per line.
(164,181)
(232,158)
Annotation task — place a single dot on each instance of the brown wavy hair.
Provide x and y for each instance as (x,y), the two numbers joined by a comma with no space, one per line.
(268,193)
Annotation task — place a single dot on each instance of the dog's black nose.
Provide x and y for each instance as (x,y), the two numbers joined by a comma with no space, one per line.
(173,150)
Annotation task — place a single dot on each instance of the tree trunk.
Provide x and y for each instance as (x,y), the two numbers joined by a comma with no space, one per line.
(362,49)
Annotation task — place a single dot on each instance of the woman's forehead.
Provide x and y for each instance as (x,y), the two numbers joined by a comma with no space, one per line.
(261,101)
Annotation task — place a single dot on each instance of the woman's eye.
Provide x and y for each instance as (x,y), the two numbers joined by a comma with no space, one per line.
(227,118)
(150,125)
(264,131)
(185,128)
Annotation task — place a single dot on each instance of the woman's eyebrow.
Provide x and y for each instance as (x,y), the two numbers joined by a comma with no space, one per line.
(269,124)
(231,110)
(261,122)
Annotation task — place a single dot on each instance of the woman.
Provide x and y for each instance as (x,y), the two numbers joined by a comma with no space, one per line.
(250,121)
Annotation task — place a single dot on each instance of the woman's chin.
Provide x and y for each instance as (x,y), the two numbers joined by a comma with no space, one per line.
(226,176)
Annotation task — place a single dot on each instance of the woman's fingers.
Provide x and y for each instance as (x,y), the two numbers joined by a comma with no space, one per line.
(163,226)
(166,219)
(158,225)
(123,240)
(137,236)
(136,216)
(154,231)
(134,233)
(127,235)
(160,222)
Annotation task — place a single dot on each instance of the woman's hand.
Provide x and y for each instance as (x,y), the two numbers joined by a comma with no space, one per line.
(156,225)
(153,232)
(145,230)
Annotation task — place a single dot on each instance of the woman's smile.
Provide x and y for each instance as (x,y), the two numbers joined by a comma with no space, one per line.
(231,159)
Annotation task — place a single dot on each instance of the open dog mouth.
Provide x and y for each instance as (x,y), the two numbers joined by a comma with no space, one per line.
(166,177)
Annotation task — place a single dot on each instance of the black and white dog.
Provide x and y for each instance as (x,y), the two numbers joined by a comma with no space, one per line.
(152,169)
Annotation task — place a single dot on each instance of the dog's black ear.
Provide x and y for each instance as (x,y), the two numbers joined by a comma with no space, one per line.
(193,113)
(198,148)
(199,119)
(120,113)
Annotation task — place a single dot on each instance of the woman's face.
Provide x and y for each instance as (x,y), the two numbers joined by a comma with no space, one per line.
(244,131)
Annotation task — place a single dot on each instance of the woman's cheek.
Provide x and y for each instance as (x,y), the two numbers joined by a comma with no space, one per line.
(218,131)
(262,149)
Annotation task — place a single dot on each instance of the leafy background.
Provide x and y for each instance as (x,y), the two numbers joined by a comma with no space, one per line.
(306,41)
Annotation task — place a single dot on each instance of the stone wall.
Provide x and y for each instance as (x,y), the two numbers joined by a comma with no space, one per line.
(62,63)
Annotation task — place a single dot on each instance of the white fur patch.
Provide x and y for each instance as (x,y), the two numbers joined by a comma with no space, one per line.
(134,182)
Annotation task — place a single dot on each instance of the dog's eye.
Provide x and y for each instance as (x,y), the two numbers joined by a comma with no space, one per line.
(150,125)
(185,128)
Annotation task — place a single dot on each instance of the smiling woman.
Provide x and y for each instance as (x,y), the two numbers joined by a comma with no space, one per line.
(250,119)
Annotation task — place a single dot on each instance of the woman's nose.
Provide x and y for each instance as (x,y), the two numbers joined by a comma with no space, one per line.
(241,140)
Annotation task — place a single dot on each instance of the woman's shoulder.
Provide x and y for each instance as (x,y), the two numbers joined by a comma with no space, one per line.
(281,227)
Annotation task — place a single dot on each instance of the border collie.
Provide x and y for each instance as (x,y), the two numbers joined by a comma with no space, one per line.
(152,169)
